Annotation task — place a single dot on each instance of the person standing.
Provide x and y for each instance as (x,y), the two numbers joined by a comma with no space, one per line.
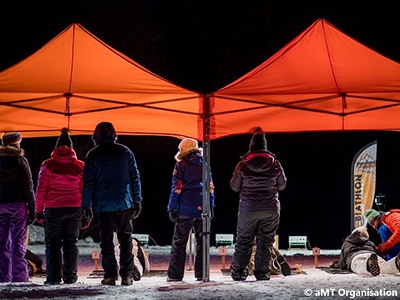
(112,187)
(58,208)
(17,208)
(185,208)
(258,177)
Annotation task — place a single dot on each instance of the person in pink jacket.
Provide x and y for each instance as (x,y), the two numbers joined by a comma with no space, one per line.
(58,208)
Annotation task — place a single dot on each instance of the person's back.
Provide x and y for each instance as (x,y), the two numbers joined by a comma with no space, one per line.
(258,178)
(58,208)
(112,187)
(17,208)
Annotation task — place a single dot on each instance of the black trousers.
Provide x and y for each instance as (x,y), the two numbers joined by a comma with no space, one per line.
(121,222)
(254,224)
(176,268)
(61,230)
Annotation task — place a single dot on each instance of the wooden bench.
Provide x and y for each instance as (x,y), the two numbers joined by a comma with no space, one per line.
(297,241)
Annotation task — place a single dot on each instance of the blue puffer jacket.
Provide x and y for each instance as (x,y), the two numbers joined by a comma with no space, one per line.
(111,180)
(187,187)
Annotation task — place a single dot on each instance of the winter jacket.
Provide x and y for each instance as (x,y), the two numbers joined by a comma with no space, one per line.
(16,183)
(187,186)
(392,220)
(111,179)
(258,178)
(356,243)
(60,180)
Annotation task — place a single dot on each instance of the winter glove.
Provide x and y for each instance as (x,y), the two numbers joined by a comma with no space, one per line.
(212,213)
(173,215)
(39,217)
(137,208)
(87,216)
(381,249)
(31,213)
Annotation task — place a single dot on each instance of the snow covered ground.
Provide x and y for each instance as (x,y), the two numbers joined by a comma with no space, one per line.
(311,283)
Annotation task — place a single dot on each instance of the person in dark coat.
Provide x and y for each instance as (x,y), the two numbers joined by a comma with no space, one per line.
(358,254)
(185,208)
(58,208)
(258,177)
(17,208)
(112,187)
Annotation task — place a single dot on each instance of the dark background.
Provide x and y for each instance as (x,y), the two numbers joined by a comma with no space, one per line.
(203,46)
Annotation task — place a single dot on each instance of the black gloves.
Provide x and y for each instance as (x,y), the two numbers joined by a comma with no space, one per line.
(39,217)
(212,213)
(173,215)
(31,212)
(87,217)
(137,208)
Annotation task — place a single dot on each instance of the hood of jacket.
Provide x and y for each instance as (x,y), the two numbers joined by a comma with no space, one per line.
(64,154)
(259,161)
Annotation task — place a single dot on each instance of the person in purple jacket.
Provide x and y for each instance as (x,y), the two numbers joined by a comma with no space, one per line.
(186,206)
(258,178)
(58,208)
(17,208)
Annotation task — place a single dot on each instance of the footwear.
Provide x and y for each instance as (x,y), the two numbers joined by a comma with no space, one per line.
(172,279)
(136,274)
(127,281)
(398,262)
(372,265)
(285,268)
(108,281)
(48,282)
(263,278)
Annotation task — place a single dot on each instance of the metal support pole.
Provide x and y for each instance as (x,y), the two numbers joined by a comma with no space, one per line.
(206,189)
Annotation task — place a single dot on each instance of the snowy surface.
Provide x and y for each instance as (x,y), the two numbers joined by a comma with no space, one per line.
(312,283)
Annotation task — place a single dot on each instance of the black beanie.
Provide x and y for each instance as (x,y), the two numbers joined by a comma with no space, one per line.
(64,139)
(258,142)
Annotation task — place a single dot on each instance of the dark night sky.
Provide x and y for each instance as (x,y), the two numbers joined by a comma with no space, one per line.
(203,46)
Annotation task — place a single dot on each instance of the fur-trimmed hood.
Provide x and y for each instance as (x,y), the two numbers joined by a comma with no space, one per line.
(181,154)
(11,150)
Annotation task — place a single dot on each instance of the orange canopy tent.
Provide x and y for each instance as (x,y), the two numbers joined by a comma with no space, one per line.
(323,80)
(77,81)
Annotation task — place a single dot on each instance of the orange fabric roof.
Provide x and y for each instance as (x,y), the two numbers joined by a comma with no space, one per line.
(323,80)
(77,81)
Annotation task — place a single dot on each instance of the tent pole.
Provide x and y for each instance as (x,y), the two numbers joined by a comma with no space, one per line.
(206,189)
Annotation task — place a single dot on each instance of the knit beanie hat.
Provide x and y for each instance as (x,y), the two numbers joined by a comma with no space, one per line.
(186,146)
(64,139)
(9,138)
(258,142)
(371,215)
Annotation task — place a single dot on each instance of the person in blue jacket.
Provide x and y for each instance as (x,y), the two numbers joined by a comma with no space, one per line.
(185,208)
(112,187)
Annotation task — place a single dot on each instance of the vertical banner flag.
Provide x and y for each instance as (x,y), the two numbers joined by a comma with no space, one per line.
(363,183)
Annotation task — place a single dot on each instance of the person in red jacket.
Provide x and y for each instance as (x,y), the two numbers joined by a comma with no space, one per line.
(391,220)
(58,208)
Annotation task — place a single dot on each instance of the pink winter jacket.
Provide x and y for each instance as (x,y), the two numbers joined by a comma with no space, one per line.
(60,180)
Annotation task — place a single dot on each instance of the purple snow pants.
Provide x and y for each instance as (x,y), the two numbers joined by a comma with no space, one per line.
(13,231)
